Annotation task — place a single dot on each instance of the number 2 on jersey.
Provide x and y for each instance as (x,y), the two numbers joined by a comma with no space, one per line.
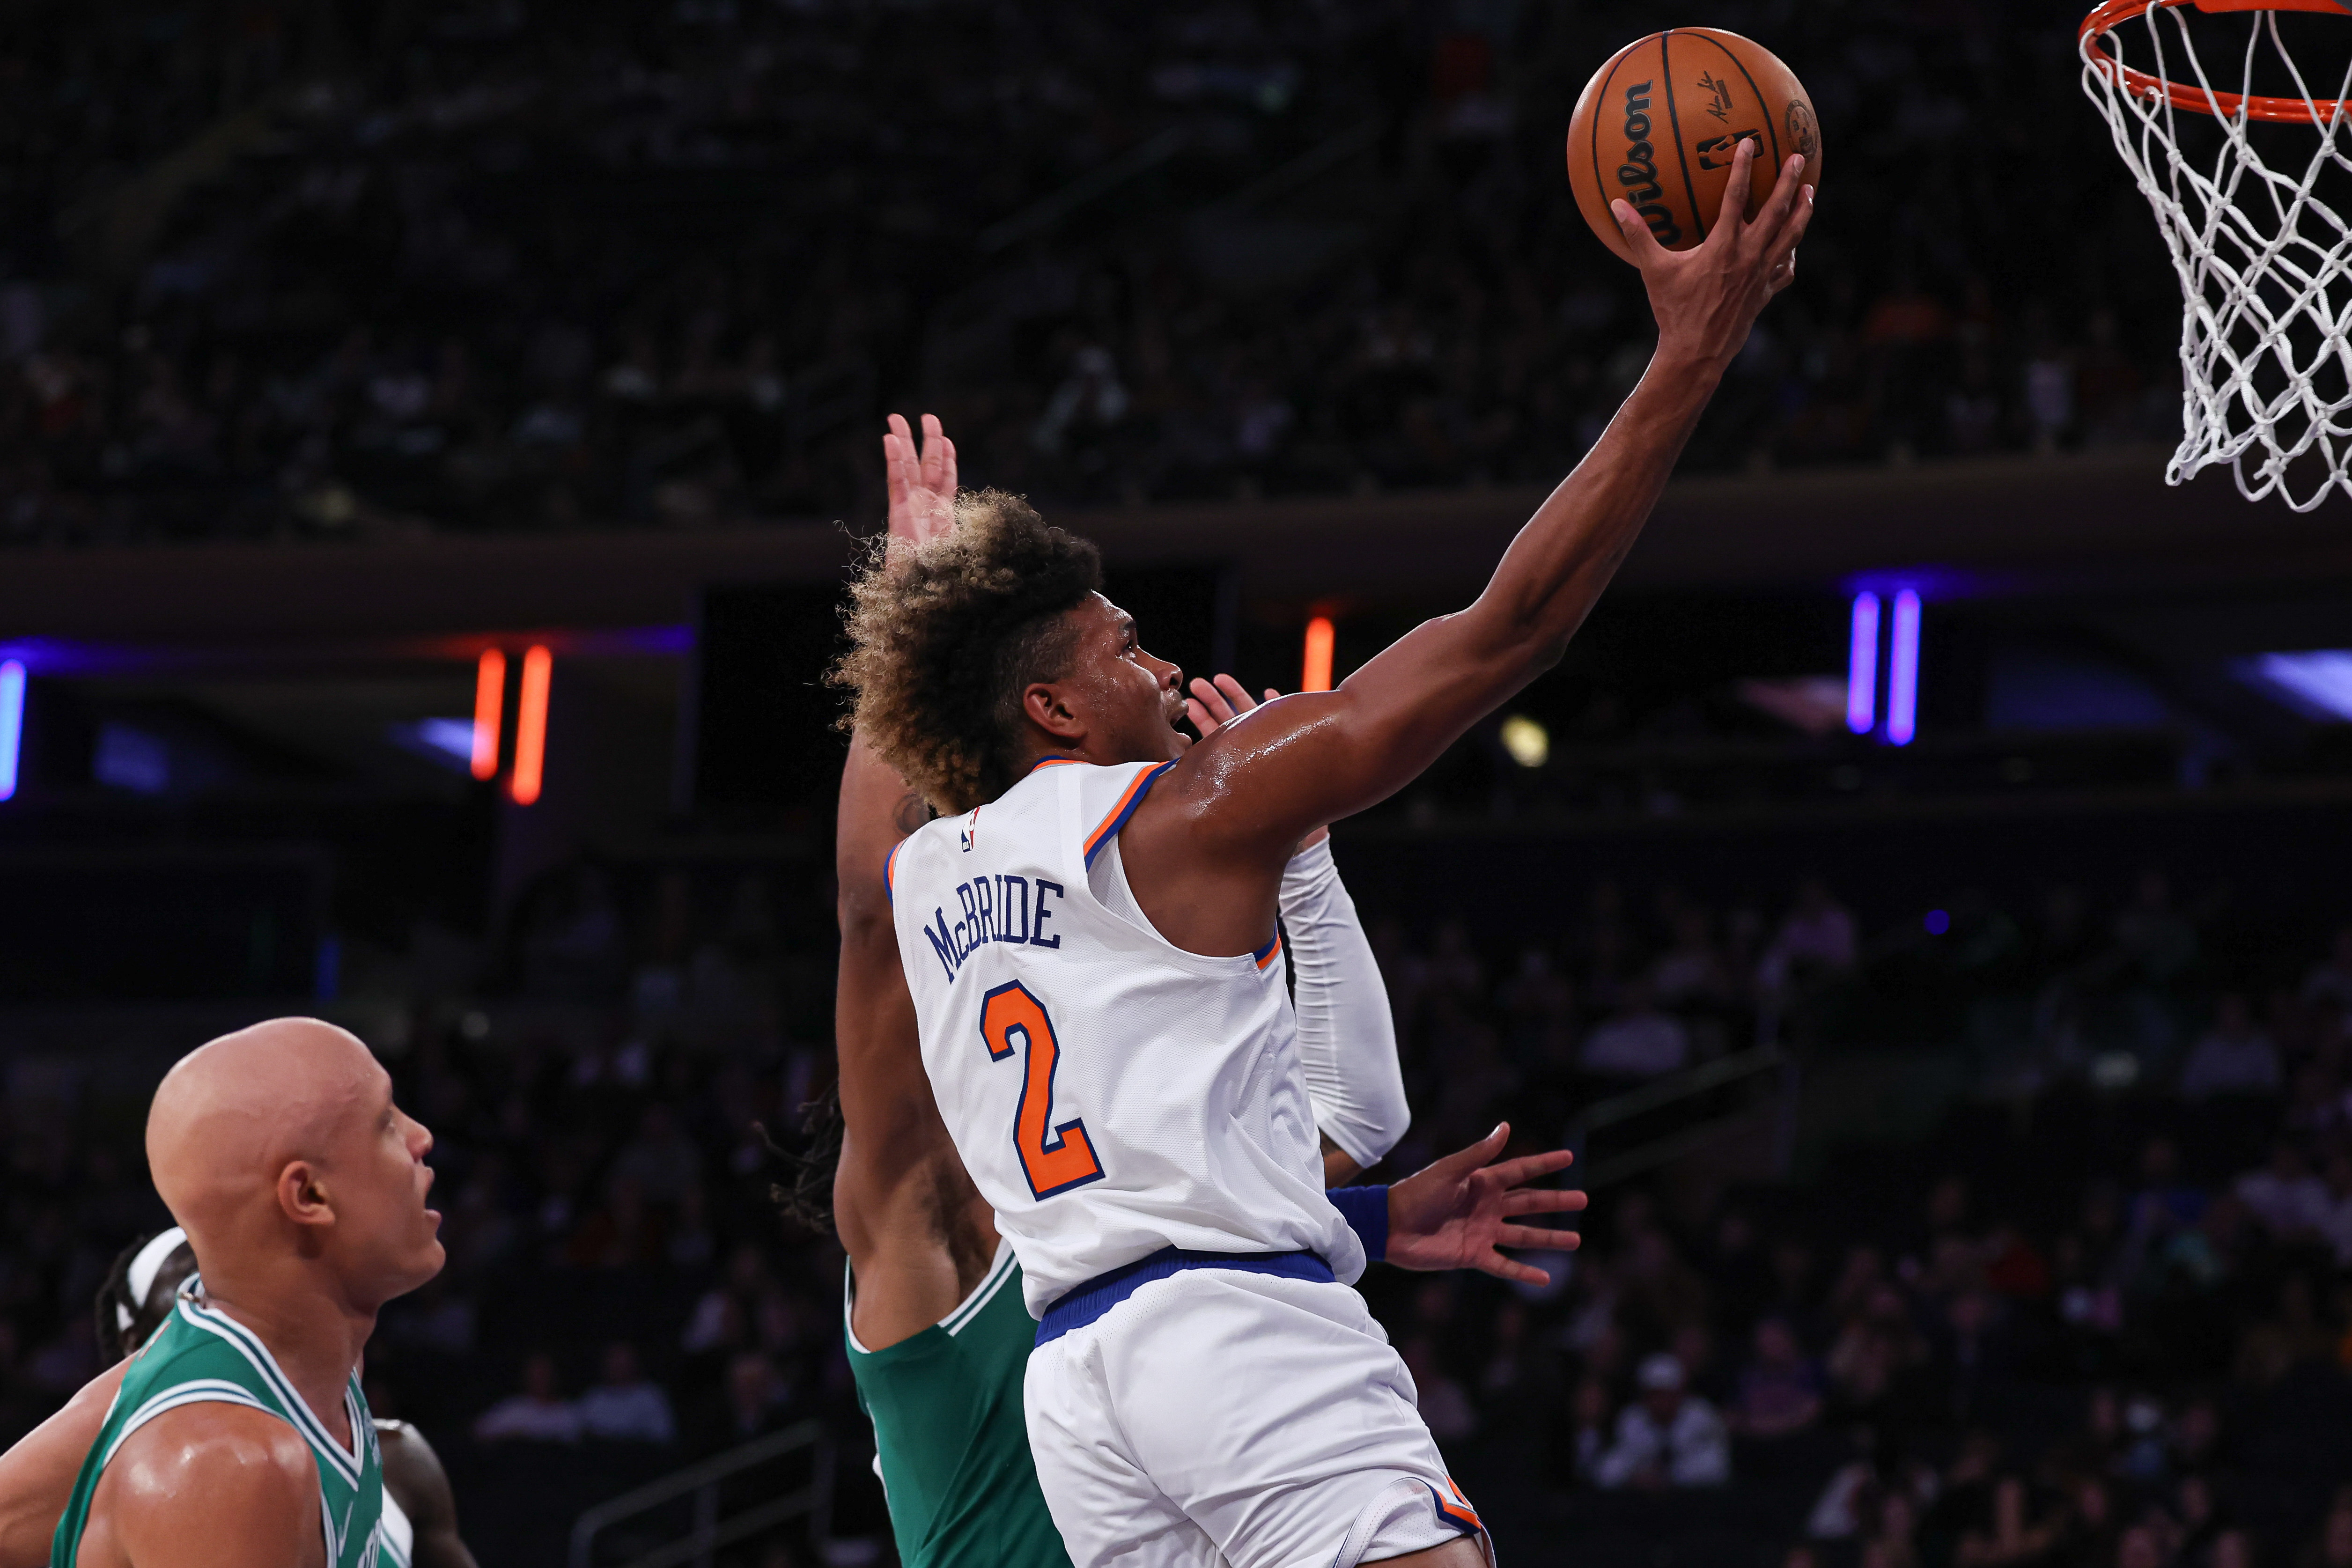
(1054,1159)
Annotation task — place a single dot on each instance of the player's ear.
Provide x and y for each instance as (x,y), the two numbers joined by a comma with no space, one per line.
(302,1194)
(1045,705)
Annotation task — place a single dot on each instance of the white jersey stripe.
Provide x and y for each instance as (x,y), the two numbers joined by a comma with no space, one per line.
(249,1345)
(197,1391)
(982,1294)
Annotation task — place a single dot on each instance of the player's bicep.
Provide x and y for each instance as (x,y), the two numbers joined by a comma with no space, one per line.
(1315,757)
(876,810)
(890,1120)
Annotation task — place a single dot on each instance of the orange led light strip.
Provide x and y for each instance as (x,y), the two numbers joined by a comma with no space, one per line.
(530,725)
(1316,674)
(489,704)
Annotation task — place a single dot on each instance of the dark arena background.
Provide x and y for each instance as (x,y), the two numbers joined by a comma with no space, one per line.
(432,438)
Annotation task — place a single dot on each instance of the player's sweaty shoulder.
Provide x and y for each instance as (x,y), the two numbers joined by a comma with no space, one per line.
(209,1486)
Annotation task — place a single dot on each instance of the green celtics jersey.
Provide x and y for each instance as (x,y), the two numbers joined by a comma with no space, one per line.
(202,1356)
(949,1439)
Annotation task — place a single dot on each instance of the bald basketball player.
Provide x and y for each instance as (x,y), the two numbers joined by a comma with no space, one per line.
(238,1435)
(139,1296)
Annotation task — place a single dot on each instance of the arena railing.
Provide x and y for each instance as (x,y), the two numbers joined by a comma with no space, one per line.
(1691,1104)
(710,1530)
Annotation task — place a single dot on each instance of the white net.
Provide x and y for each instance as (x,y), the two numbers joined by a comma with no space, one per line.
(2263,258)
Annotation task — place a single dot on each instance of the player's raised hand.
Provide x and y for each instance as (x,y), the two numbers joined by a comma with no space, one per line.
(921,480)
(1454,1212)
(1707,298)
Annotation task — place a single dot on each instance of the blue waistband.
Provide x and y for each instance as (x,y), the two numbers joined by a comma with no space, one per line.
(1085,1303)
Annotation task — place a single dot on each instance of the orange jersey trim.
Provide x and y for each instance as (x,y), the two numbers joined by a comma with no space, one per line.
(1110,825)
(1458,1508)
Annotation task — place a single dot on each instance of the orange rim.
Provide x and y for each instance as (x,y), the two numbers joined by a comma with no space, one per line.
(2111,14)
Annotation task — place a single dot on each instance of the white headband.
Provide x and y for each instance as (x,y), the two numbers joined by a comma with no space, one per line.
(143,1270)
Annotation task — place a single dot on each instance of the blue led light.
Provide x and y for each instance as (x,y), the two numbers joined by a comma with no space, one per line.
(1939,922)
(1862,667)
(1903,671)
(12,723)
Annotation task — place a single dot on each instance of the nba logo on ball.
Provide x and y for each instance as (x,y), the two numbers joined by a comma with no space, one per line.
(1658,125)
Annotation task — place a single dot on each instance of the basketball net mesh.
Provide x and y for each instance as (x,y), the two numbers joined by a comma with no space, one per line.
(2262,261)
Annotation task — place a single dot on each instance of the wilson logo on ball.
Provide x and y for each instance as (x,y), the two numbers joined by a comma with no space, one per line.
(1639,172)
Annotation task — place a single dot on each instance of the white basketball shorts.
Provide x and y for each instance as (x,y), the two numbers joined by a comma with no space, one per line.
(1219,1417)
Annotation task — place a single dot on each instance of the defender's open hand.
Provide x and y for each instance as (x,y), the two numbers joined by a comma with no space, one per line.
(1454,1212)
(1216,703)
(922,481)
(1706,298)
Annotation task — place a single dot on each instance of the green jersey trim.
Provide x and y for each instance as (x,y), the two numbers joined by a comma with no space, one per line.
(984,1292)
(197,1391)
(1000,1269)
(245,1343)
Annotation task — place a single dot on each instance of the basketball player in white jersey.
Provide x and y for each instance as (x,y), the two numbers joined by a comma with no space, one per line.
(1088,938)
(938,1337)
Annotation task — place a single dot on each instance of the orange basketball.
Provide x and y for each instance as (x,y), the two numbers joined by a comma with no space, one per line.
(1657,124)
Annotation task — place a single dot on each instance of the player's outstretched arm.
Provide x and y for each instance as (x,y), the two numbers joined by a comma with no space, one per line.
(39,1471)
(1316,757)
(1454,1212)
(899,1178)
(1346,1033)
(208,1486)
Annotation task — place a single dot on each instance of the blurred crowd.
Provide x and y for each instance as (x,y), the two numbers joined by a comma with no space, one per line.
(278,270)
(2093,1311)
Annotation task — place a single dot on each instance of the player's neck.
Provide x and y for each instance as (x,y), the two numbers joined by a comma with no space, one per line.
(315,1333)
(1098,750)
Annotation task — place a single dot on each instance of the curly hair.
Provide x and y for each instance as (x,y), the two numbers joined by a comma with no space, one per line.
(945,637)
(807,1200)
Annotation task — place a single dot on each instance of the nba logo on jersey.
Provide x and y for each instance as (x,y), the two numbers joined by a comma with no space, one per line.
(969,831)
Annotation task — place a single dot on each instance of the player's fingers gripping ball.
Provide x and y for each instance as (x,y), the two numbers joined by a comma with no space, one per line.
(1657,126)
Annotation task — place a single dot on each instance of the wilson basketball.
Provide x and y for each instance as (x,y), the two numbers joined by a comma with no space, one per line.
(1657,124)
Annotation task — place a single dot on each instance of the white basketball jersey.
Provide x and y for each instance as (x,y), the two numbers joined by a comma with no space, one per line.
(1110,1093)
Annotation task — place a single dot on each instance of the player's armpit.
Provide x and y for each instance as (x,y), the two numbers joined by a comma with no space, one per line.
(208,1486)
(37,1475)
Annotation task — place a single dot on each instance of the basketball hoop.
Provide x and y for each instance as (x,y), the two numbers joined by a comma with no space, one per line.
(2265,265)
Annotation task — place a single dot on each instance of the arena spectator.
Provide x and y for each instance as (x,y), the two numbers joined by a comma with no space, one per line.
(536,1412)
(2284,1198)
(1638,1041)
(1816,941)
(625,1405)
(1779,1390)
(1667,1437)
(2235,1056)
(752,1404)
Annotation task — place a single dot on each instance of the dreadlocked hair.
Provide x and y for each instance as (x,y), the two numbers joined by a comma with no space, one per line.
(805,1195)
(945,637)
